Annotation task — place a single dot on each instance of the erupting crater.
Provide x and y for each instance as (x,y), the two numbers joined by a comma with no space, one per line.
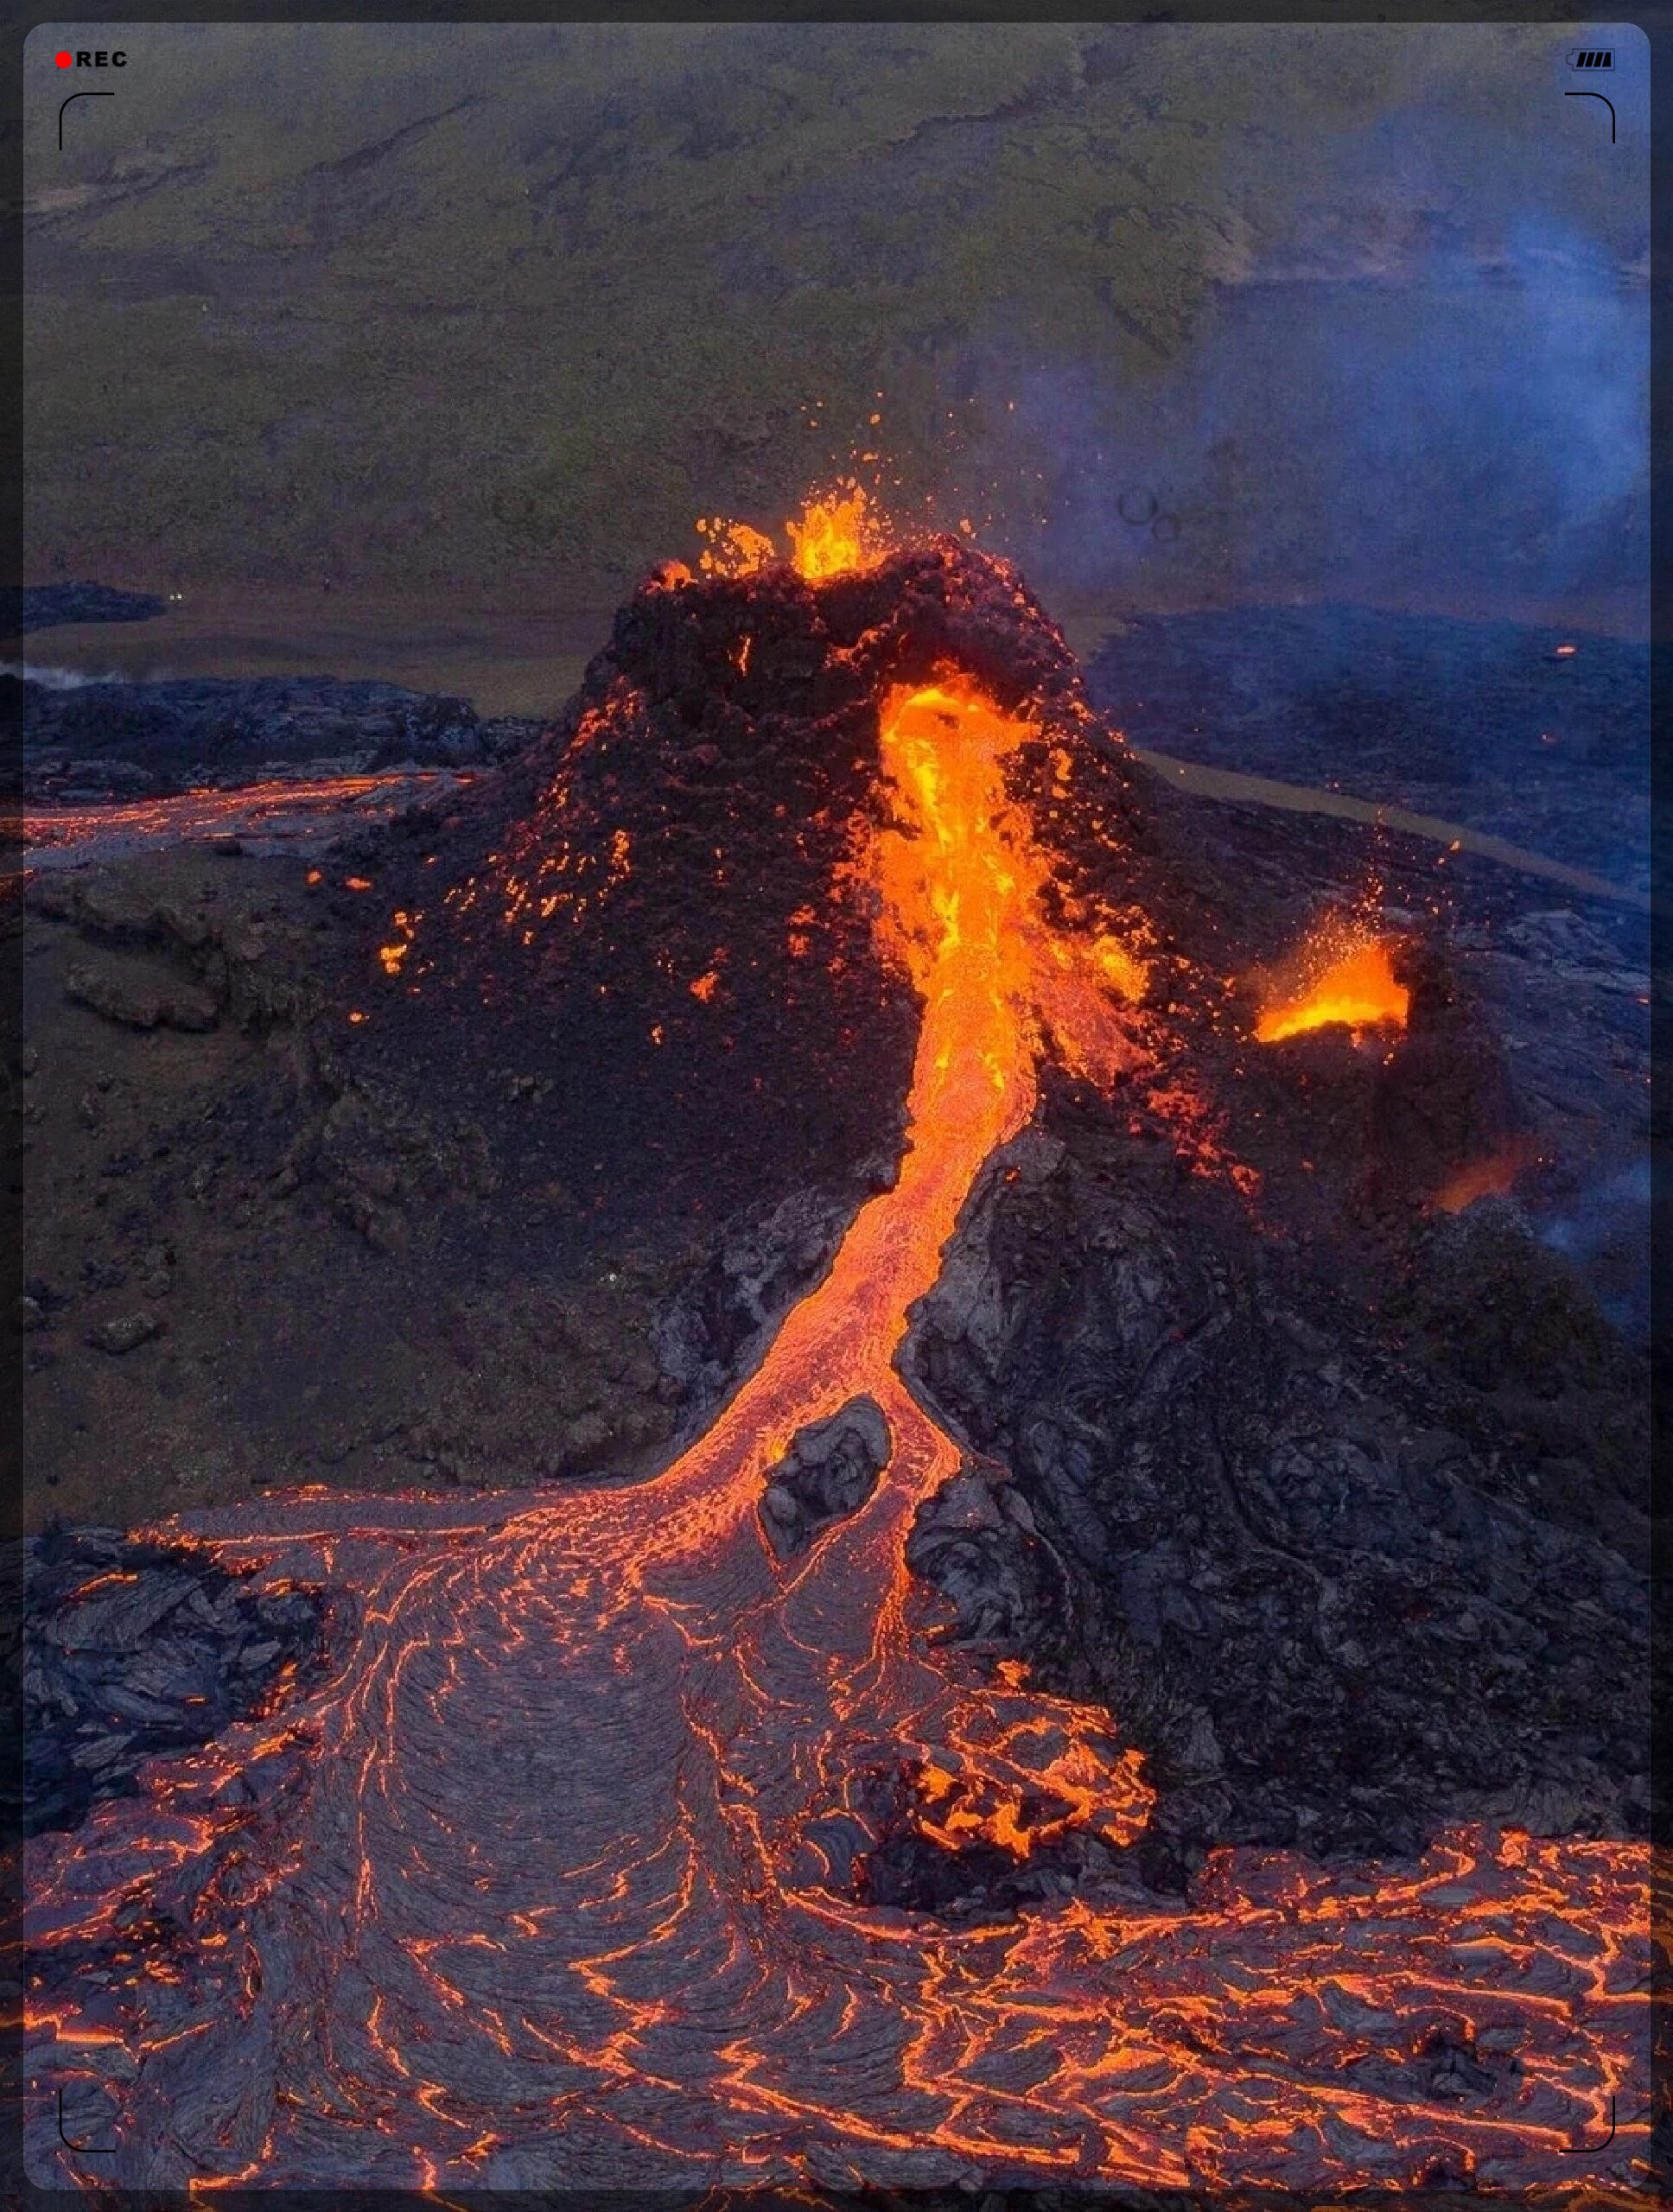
(572,1872)
(1353,987)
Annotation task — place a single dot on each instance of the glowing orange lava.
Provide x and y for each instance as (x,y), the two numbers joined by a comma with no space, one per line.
(842,530)
(1357,990)
(279,808)
(837,531)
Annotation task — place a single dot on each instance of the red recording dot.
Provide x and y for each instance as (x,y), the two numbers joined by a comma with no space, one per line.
(65,60)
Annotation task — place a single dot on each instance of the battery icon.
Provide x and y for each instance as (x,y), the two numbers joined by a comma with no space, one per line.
(1591,57)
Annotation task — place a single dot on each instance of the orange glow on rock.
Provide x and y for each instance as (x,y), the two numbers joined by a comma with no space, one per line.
(1494,1177)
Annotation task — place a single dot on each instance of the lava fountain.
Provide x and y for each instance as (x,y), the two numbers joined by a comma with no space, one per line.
(1354,987)
(558,1880)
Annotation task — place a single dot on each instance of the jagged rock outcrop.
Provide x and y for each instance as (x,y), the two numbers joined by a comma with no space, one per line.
(1330,1619)
(132,1649)
(830,1470)
(714,1328)
(115,739)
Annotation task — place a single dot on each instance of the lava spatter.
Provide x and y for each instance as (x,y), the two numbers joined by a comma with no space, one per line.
(838,532)
(558,1880)
(1351,983)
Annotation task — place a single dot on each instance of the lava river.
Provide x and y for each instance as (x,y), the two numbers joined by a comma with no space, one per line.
(539,1888)
(289,812)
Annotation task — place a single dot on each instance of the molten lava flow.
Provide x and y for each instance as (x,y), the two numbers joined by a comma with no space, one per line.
(961,886)
(1357,990)
(561,1879)
(837,531)
(288,809)
(1043,1774)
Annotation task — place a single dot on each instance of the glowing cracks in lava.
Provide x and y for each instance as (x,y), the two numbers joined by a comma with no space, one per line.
(1029,1770)
(1357,990)
(280,810)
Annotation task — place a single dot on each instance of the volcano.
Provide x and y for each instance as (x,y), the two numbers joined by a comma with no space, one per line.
(684,866)
(1096,1698)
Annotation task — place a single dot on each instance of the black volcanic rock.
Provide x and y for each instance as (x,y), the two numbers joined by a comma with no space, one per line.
(830,1471)
(1446,1097)
(665,878)
(48,606)
(1331,1619)
(134,1649)
(1479,723)
(765,1258)
(144,740)
(693,809)
(977,1542)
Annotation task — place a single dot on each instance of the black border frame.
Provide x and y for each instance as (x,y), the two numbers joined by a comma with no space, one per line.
(1654,20)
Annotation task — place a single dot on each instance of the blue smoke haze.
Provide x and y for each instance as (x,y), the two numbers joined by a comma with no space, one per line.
(1426,383)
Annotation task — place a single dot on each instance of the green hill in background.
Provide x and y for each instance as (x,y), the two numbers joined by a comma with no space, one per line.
(444,305)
